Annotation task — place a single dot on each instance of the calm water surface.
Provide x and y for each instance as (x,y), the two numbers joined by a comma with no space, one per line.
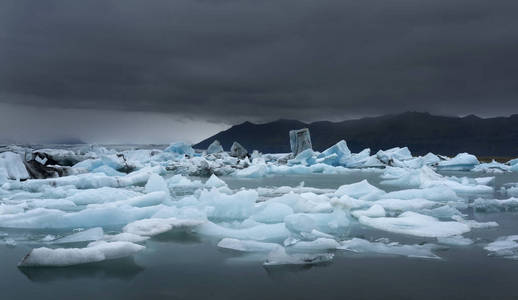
(181,265)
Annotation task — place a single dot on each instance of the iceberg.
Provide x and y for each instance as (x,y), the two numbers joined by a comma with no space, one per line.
(92,234)
(272,212)
(215,147)
(156,183)
(359,190)
(125,237)
(320,244)
(139,194)
(300,140)
(304,224)
(434,193)
(107,170)
(221,206)
(279,257)
(374,211)
(94,252)
(405,205)
(259,232)
(247,245)
(506,246)
(455,240)
(492,167)
(335,155)
(155,226)
(101,195)
(358,160)
(475,224)
(481,204)
(363,246)
(395,154)
(90,217)
(416,224)
(236,150)
(11,164)
(56,157)
(305,158)
(180,148)
(461,162)
(214,182)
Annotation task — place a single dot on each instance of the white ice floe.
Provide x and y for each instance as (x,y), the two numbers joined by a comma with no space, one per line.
(180,148)
(279,256)
(101,195)
(506,246)
(303,224)
(89,235)
(491,167)
(416,224)
(426,177)
(137,194)
(374,211)
(156,183)
(87,181)
(222,206)
(12,167)
(257,232)
(495,204)
(363,246)
(455,240)
(360,190)
(320,244)
(405,205)
(94,252)
(461,162)
(90,217)
(475,224)
(215,147)
(125,237)
(214,182)
(247,245)
(335,155)
(272,212)
(155,226)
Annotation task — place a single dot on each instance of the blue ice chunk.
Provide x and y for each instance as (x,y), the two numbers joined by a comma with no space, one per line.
(180,148)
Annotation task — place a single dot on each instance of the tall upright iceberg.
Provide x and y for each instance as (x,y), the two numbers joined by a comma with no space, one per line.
(300,140)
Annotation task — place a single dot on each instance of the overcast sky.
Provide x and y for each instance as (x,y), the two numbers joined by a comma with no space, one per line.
(162,70)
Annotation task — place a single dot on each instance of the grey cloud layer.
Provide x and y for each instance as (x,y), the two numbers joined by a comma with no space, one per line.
(261,60)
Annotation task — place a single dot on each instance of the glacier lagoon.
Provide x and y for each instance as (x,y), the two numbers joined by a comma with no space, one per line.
(340,235)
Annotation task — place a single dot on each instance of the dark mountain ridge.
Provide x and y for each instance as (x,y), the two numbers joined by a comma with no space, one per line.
(421,132)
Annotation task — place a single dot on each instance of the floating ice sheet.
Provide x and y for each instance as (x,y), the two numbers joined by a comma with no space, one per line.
(363,246)
(94,252)
(416,224)
(279,256)
(247,245)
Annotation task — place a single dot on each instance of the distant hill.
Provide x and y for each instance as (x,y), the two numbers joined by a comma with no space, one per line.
(421,132)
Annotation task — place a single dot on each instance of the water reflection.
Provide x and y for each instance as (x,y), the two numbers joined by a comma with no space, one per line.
(178,236)
(123,269)
(276,272)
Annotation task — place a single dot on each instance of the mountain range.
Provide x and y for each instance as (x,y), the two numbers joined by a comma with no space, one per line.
(421,132)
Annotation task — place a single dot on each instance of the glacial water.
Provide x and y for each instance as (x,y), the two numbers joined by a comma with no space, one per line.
(180,265)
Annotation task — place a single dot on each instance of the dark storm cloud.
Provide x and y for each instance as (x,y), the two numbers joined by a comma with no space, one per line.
(261,60)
